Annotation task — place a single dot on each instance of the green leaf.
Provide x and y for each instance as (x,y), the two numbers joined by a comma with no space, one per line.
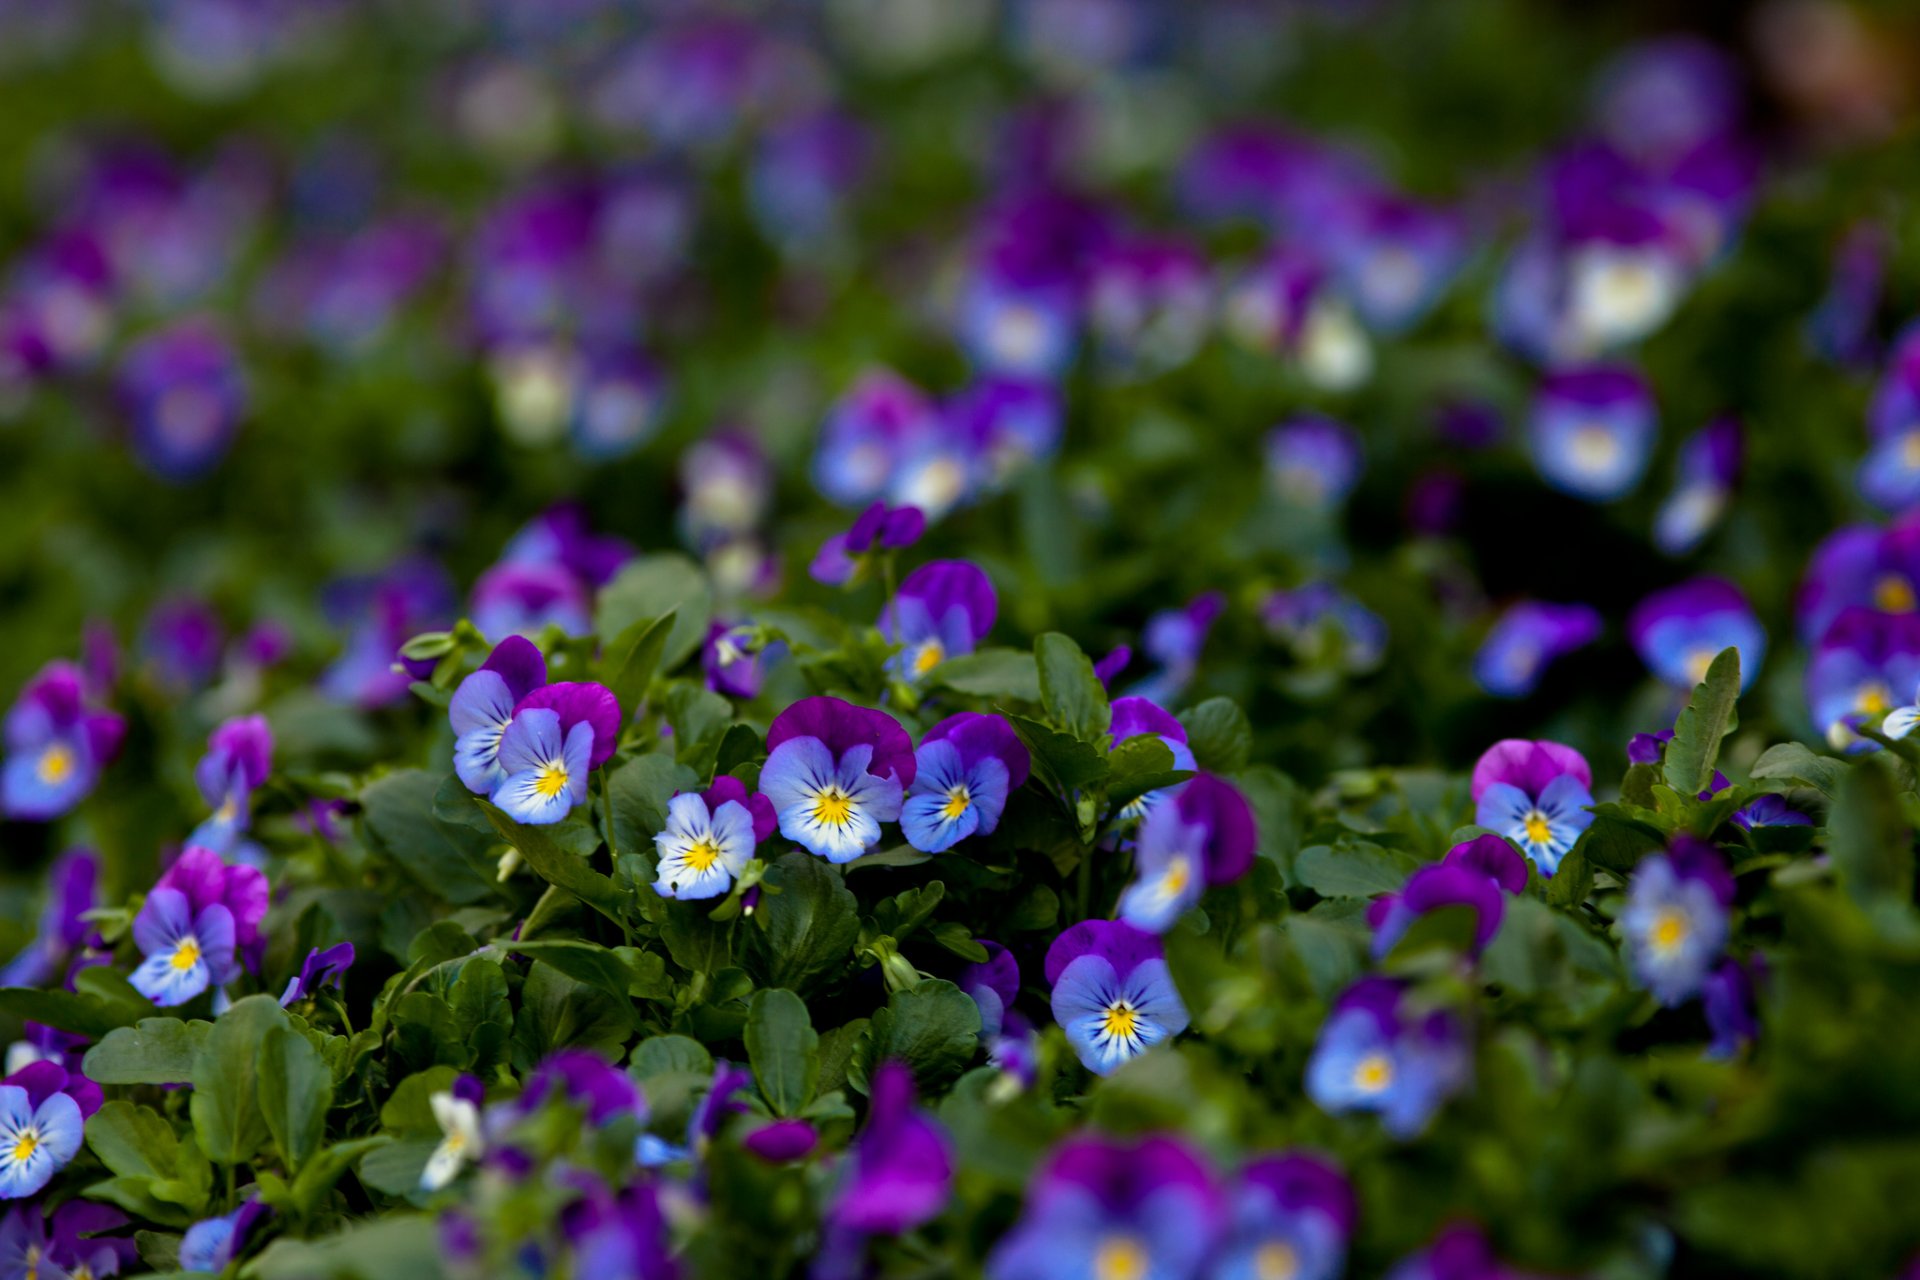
(409,1110)
(449,860)
(1072,694)
(1140,764)
(1573,881)
(624,972)
(319,1174)
(997,674)
(558,867)
(696,942)
(482,1016)
(296,1089)
(155,1051)
(670,1055)
(1869,838)
(100,1005)
(160,1176)
(933,1027)
(1063,761)
(807,927)
(783,1049)
(1619,837)
(632,657)
(1219,735)
(1698,732)
(394,1247)
(1791,762)
(557,1012)
(226,1081)
(1353,869)
(650,588)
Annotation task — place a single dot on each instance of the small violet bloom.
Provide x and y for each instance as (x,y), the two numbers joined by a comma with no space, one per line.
(1678,632)
(1730,999)
(1702,486)
(1536,794)
(942,610)
(239,757)
(1375,1053)
(184,393)
(1861,565)
(1134,716)
(482,710)
(1473,875)
(966,767)
(834,773)
(1458,1253)
(844,557)
(1203,836)
(709,839)
(1289,1215)
(1174,639)
(732,658)
(199,924)
(1592,431)
(1675,922)
(1526,640)
(994,984)
(1856,668)
(63,935)
(43,1115)
(559,733)
(56,745)
(1112,993)
(317,970)
(1314,462)
(212,1244)
(900,1171)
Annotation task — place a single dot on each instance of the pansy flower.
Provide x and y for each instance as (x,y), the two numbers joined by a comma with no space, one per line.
(965,769)
(1841,325)
(1475,875)
(943,609)
(239,757)
(1112,993)
(844,557)
(1378,1053)
(1021,305)
(1860,565)
(1703,477)
(186,950)
(616,404)
(582,1079)
(1131,717)
(1013,422)
(1314,462)
(1592,430)
(731,658)
(457,1112)
(1202,836)
(380,615)
(617,1235)
(560,535)
(1729,997)
(1526,640)
(1859,669)
(524,599)
(184,393)
(1174,639)
(64,933)
(1889,476)
(482,710)
(1535,794)
(1678,632)
(1395,257)
(1675,923)
(803,172)
(320,968)
(728,482)
(68,1245)
(709,838)
(899,1173)
(1320,622)
(56,745)
(560,732)
(180,643)
(1459,1252)
(43,1116)
(1108,1207)
(834,773)
(866,434)
(1289,1215)
(212,1244)
(1149,303)
(994,984)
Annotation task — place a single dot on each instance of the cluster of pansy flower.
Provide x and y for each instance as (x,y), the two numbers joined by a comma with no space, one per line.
(528,745)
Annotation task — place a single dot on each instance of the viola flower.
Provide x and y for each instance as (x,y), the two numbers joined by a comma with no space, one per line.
(1132,716)
(709,838)
(1013,423)
(543,770)
(1702,485)
(1108,1208)
(45,1044)
(1395,257)
(1856,667)
(942,610)
(1203,836)
(1675,922)
(834,773)
(56,745)
(1592,430)
(1678,632)
(619,1235)
(965,768)
(1377,1054)
(482,710)
(1290,1215)
(1174,639)
(1112,993)
(43,1116)
(1458,1253)
(1729,997)
(1889,477)
(1473,875)
(1772,811)
(1314,462)
(728,483)
(186,950)
(866,434)
(802,173)
(64,934)
(899,1173)
(382,614)
(584,1080)
(731,657)
(1526,639)
(1860,565)
(212,1244)
(1021,305)
(994,984)
(68,1244)
(516,598)
(1321,622)
(844,558)
(457,1111)
(1536,795)
(560,535)
(1149,303)
(181,642)
(318,970)
(939,469)
(183,391)
(239,757)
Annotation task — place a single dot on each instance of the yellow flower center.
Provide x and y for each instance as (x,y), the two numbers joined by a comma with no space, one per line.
(1174,879)
(833,807)
(957,801)
(1910,449)
(928,656)
(1121,1021)
(1373,1073)
(1539,830)
(1894,594)
(1697,663)
(1120,1258)
(551,781)
(1670,929)
(1594,447)
(56,764)
(703,855)
(1873,699)
(186,955)
(1276,1260)
(24,1146)
(227,810)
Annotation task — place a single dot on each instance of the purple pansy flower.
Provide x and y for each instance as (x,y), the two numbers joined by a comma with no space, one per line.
(383,613)
(1772,811)
(616,402)
(212,1244)
(867,433)
(1841,326)
(1678,632)
(1525,641)
(965,769)
(994,984)
(239,757)
(619,1235)
(728,482)
(1889,476)
(731,658)
(1149,303)
(198,923)
(1376,1053)
(585,1080)
(43,1115)
(1861,667)
(64,935)
(1174,639)
(1203,836)
(834,773)
(782,1141)
(1012,422)
(1111,1207)
(516,598)
(1395,257)
(181,642)
(1112,993)
(1861,565)
(1132,716)
(1474,874)
(802,172)
(1290,1215)
(317,970)
(1729,996)
(560,535)
(183,392)
(1675,922)
(1459,1253)
(483,706)
(900,1171)
(67,1244)
(1320,622)
(1592,431)
(1314,462)
(1703,477)
(942,610)
(1535,794)
(843,557)
(709,838)
(56,745)
(543,767)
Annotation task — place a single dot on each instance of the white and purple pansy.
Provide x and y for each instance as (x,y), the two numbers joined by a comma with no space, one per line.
(1112,993)
(834,773)
(966,767)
